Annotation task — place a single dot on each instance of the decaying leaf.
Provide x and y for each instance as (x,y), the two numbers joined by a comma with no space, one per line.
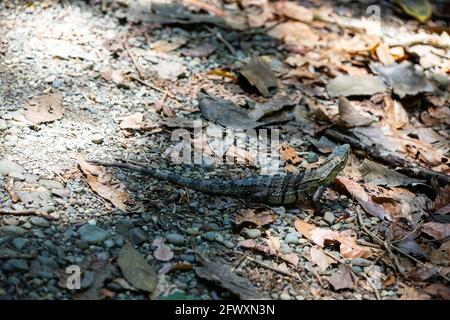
(295,32)
(293,10)
(403,78)
(355,86)
(350,116)
(46,108)
(289,154)
(441,256)
(439,290)
(170,70)
(437,230)
(395,114)
(103,270)
(410,293)
(104,184)
(342,279)
(133,122)
(348,246)
(362,197)
(379,174)
(384,55)
(136,270)
(257,218)
(304,228)
(258,73)
(320,258)
(220,274)
(441,204)
(162,251)
(419,9)
(225,112)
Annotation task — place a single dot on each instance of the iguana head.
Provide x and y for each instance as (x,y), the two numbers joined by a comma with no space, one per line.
(333,165)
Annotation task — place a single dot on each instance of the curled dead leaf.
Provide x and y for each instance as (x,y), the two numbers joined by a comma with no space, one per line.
(104,184)
(43,109)
(257,218)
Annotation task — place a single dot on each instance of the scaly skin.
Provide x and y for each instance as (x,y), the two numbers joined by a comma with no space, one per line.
(277,189)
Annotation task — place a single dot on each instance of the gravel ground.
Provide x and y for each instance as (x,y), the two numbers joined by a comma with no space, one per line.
(67,48)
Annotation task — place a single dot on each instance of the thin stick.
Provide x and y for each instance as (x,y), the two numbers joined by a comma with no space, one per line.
(262,264)
(24,213)
(382,155)
(133,59)
(226,43)
(154,87)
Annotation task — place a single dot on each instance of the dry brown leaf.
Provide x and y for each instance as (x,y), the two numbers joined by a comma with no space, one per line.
(410,293)
(162,251)
(291,258)
(343,279)
(289,154)
(304,228)
(294,11)
(396,115)
(167,111)
(350,116)
(437,230)
(320,258)
(46,108)
(223,275)
(438,289)
(348,248)
(384,54)
(273,243)
(259,74)
(442,201)
(104,184)
(295,32)
(258,218)
(134,121)
(357,191)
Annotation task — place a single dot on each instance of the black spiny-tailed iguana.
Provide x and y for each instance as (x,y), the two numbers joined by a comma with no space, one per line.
(277,189)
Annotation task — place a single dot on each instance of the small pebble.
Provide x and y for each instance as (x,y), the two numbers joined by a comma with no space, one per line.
(97,138)
(175,239)
(329,217)
(39,222)
(251,233)
(361,262)
(312,157)
(292,238)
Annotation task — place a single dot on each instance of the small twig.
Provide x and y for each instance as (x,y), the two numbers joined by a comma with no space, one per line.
(409,234)
(380,154)
(154,87)
(262,264)
(226,43)
(24,213)
(318,277)
(9,187)
(133,59)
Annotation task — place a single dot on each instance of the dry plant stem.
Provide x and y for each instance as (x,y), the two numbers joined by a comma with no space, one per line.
(318,277)
(24,213)
(382,155)
(154,87)
(226,43)
(133,59)
(262,264)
